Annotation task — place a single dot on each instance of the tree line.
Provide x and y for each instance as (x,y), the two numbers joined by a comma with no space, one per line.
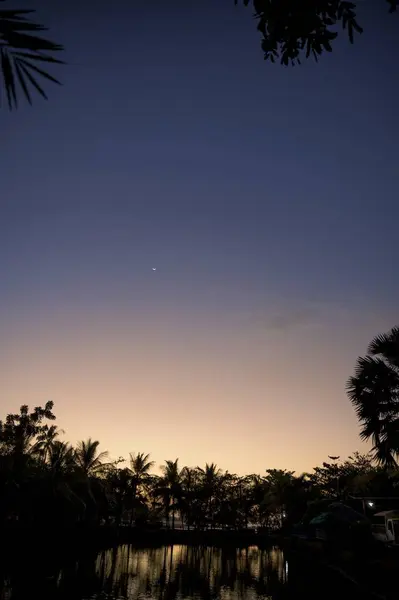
(44,479)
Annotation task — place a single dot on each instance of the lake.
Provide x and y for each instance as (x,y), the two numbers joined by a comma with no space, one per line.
(178,572)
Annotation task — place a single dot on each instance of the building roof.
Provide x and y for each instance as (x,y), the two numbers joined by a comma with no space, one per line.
(393,514)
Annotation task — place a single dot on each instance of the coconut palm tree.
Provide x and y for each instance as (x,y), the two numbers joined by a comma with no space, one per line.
(90,474)
(189,489)
(60,458)
(140,466)
(87,459)
(119,486)
(58,493)
(170,487)
(374,393)
(45,440)
(21,53)
(210,479)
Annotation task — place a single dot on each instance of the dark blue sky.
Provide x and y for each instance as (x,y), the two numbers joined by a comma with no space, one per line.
(266,197)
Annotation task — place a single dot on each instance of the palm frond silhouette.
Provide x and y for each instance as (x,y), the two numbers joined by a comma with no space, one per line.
(22,56)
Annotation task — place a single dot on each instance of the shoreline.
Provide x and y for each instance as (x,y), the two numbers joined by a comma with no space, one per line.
(47,547)
(103,536)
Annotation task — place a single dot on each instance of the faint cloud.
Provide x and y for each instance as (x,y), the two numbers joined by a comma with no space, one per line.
(294,318)
(305,314)
(284,317)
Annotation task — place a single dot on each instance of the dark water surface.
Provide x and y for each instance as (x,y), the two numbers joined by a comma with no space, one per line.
(180,572)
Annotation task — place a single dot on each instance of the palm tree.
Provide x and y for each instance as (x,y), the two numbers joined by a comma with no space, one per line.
(170,487)
(20,53)
(140,466)
(59,479)
(210,479)
(189,484)
(45,440)
(119,486)
(60,458)
(374,393)
(91,471)
(89,462)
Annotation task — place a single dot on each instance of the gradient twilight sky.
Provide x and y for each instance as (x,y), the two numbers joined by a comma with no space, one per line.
(266,198)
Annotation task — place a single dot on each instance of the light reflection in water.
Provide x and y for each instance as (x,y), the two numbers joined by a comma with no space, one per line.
(190,572)
(176,573)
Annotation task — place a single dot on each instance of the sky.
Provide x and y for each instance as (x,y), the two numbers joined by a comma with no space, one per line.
(266,199)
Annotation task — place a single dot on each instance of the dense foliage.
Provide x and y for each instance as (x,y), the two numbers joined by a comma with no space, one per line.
(374,393)
(45,480)
(296,29)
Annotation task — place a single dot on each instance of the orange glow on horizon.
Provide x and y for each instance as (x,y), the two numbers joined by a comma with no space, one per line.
(243,398)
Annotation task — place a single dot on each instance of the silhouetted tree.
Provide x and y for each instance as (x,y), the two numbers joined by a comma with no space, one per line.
(290,30)
(189,494)
(90,472)
(22,55)
(374,393)
(140,466)
(210,480)
(18,430)
(60,497)
(45,440)
(296,29)
(87,458)
(46,481)
(119,483)
(170,488)
(61,459)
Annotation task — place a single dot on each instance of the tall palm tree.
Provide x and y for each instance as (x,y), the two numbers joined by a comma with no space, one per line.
(210,479)
(90,473)
(119,486)
(61,498)
(87,459)
(21,51)
(170,487)
(60,458)
(374,393)
(189,484)
(45,440)
(140,466)
(210,473)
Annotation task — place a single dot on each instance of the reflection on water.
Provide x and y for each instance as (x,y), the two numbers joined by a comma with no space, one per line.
(176,572)
(187,572)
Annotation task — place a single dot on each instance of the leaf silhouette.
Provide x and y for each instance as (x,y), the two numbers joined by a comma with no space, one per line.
(20,51)
(291,28)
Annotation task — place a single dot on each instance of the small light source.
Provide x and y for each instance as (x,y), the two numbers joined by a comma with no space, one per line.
(370,503)
(284,515)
